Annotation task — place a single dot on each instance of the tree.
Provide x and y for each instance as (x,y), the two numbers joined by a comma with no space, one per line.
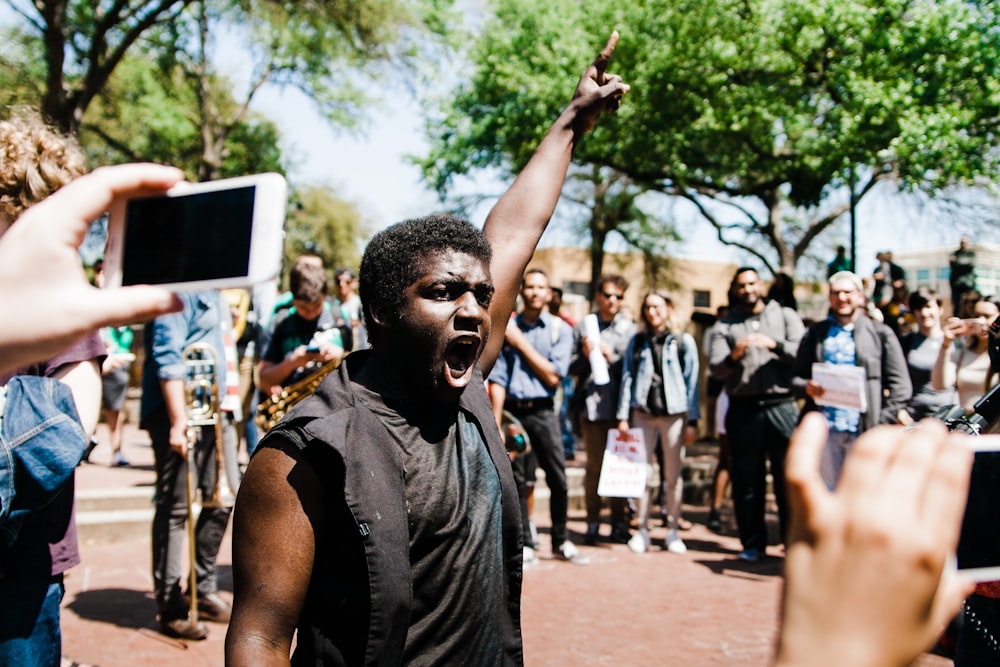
(331,51)
(323,224)
(607,201)
(758,112)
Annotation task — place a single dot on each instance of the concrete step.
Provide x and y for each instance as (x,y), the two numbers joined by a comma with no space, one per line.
(115,514)
(114,498)
(114,526)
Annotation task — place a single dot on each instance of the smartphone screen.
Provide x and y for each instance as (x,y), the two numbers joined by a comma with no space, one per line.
(187,238)
(979,543)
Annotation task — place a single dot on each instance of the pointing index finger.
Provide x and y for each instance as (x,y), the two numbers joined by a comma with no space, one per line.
(601,62)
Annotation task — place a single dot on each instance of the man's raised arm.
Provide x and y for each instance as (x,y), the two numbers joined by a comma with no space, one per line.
(516,223)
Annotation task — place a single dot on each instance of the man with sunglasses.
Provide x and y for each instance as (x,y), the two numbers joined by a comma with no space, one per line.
(598,401)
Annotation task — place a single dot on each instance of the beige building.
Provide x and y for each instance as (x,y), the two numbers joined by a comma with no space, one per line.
(702,286)
(929,268)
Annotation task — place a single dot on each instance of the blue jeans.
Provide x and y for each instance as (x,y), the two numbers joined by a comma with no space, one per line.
(29,622)
(838,444)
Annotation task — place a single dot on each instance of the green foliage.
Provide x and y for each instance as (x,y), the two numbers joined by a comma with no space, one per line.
(757,111)
(22,75)
(146,113)
(323,224)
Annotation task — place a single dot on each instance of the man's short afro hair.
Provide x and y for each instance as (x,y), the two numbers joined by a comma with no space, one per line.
(393,259)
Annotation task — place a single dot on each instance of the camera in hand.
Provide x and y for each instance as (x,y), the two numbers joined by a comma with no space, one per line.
(978,553)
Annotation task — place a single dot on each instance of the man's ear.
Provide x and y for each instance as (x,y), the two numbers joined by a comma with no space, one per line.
(382,315)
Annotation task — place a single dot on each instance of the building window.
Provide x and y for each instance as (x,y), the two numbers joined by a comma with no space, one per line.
(923,276)
(943,272)
(702,298)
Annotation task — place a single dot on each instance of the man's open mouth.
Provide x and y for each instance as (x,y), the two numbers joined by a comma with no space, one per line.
(461,356)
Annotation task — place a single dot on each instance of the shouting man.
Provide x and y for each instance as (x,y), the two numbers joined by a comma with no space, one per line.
(379,520)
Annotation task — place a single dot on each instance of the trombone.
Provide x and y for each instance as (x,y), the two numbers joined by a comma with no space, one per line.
(201,393)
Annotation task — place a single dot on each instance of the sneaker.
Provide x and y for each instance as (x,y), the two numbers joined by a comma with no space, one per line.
(640,542)
(675,544)
(119,460)
(528,558)
(567,551)
(593,532)
(750,555)
(714,521)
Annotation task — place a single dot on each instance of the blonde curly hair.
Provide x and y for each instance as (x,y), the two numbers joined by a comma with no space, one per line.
(35,161)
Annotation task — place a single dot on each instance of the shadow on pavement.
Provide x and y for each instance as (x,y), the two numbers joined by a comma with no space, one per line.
(764,568)
(126,608)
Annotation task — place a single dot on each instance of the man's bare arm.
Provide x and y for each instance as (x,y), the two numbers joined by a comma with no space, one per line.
(277,515)
(516,223)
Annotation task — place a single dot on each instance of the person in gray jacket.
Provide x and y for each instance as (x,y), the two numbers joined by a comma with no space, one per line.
(753,351)
(660,394)
(599,402)
(848,337)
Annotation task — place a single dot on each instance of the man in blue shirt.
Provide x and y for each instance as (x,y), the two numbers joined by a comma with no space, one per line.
(848,337)
(534,360)
(164,415)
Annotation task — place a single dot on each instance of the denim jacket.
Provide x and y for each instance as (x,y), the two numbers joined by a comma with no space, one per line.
(680,386)
(41,442)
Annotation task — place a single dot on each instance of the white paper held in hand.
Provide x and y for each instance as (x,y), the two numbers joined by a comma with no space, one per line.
(598,364)
(624,469)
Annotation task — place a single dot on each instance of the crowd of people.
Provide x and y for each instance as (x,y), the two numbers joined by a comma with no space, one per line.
(384,521)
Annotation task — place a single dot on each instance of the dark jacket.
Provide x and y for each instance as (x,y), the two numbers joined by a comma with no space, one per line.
(877,350)
(358,606)
(761,373)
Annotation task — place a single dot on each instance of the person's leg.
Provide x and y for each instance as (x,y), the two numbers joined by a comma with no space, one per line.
(519,465)
(29,622)
(212,519)
(648,425)
(720,480)
(230,447)
(746,429)
(785,418)
(834,454)
(170,513)
(672,444)
(595,439)
(543,429)
(115,420)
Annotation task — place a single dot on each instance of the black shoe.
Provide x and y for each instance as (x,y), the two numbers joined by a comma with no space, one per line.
(182,628)
(590,537)
(714,521)
(214,608)
(620,534)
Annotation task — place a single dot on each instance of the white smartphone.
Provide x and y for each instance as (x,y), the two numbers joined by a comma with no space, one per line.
(214,235)
(978,555)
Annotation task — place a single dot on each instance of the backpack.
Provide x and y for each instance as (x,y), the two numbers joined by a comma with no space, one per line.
(41,443)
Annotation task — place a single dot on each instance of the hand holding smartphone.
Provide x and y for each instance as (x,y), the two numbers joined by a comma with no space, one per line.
(975,326)
(215,235)
(978,554)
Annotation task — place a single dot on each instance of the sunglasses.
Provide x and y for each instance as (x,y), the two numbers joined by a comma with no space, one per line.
(616,297)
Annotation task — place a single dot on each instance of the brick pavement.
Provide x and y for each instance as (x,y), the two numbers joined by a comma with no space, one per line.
(703,608)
